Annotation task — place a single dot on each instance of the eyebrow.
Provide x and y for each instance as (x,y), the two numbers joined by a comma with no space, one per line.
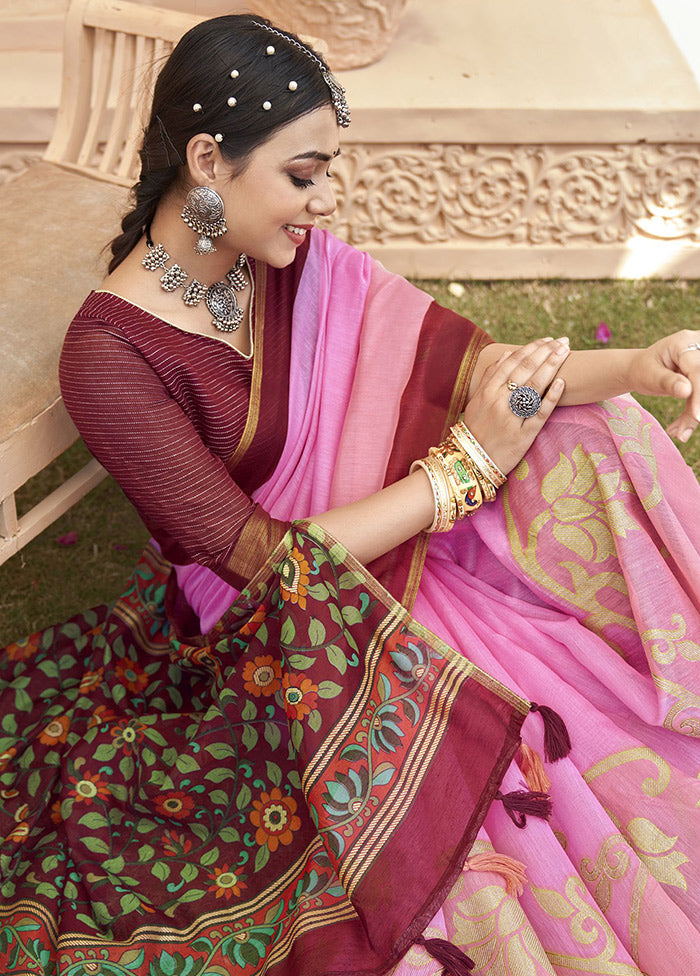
(314,154)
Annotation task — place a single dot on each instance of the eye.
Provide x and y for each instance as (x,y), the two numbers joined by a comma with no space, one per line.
(303,184)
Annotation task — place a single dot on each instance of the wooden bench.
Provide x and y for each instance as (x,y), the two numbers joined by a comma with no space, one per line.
(55,219)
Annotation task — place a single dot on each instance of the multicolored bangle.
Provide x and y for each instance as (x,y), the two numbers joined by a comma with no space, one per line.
(466,440)
(461,477)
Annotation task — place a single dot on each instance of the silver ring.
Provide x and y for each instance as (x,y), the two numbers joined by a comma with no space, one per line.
(524,401)
(693,346)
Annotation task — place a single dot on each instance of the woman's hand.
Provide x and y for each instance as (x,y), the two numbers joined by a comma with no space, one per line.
(503,435)
(671,367)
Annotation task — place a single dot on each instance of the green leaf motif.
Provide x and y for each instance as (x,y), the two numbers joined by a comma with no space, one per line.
(317,632)
(23,702)
(351,615)
(219,798)
(274,773)
(221,773)
(249,711)
(287,632)
(262,857)
(229,835)
(273,735)
(348,580)
(186,763)
(297,733)
(329,689)
(318,592)
(189,872)
(161,870)
(105,752)
(93,821)
(210,857)
(219,750)
(96,845)
(336,658)
(244,798)
(249,736)
(300,662)
(314,719)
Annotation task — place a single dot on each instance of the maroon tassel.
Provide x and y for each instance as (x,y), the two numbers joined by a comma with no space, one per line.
(453,960)
(523,803)
(557,743)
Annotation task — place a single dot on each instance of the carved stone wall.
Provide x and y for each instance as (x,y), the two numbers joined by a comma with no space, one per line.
(527,194)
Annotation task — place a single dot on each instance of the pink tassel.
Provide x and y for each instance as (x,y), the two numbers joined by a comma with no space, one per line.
(557,743)
(512,871)
(453,960)
(522,803)
(530,764)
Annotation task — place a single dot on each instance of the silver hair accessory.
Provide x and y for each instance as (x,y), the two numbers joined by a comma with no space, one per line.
(524,401)
(340,104)
(220,298)
(204,213)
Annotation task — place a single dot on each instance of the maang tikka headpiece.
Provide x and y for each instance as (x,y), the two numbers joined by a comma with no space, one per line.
(340,104)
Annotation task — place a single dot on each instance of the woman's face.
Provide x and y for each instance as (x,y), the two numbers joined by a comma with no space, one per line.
(283,189)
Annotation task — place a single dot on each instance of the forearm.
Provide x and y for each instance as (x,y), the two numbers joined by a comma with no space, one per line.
(374,525)
(590,375)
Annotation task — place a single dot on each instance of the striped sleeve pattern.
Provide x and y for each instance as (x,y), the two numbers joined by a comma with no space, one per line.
(162,409)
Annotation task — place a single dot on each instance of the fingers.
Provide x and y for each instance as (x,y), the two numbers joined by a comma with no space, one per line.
(686,383)
(535,365)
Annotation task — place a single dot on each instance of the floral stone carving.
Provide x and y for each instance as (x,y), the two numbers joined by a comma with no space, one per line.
(526,194)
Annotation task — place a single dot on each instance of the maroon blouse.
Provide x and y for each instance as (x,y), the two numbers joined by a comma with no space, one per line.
(164,410)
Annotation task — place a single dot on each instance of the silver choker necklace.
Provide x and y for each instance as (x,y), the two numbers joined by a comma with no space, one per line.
(220,298)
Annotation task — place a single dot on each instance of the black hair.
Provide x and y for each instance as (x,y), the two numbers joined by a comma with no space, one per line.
(198,72)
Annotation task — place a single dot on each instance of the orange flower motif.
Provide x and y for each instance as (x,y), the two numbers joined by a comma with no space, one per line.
(91,680)
(262,676)
(56,816)
(252,626)
(22,649)
(55,731)
(174,804)
(300,695)
(227,884)
(100,715)
(7,757)
(131,674)
(19,833)
(275,817)
(294,578)
(89,787)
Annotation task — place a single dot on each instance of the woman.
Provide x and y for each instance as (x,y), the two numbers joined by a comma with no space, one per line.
(295,746)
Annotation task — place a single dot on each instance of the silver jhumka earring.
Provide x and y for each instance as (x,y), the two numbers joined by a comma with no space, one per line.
(204,213)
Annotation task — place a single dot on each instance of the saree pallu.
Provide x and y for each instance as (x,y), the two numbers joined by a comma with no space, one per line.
(297,791)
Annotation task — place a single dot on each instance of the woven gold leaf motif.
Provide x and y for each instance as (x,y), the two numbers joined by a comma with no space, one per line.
(655,848)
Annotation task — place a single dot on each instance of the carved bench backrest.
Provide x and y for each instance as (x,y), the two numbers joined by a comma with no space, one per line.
(112,53)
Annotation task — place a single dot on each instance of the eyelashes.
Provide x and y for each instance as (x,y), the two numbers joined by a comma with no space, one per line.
(303,184)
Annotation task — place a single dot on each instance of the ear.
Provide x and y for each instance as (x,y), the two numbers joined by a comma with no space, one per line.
(204,160)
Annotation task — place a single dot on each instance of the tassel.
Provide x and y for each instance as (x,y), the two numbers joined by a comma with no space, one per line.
(557,743)
(522,804)
(512,871)
(530,764)
(453,960)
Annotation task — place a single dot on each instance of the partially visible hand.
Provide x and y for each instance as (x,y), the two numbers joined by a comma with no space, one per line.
(671,367)
(503,435)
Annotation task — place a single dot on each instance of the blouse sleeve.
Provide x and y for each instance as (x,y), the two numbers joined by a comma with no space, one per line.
(143,437)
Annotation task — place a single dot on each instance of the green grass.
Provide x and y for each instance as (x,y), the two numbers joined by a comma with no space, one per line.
(47,582)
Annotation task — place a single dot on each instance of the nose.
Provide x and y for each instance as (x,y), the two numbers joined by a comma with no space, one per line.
(322,203)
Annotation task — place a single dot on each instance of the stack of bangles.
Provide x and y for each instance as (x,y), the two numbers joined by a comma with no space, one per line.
(462,477)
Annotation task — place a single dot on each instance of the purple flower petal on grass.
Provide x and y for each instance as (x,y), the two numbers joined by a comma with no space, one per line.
(69,539)
(602,333)
(118,547)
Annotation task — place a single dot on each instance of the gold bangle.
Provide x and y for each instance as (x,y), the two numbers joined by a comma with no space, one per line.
(444,517)
(466,440)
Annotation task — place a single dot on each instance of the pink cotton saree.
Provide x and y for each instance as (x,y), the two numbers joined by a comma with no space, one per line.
(577,589)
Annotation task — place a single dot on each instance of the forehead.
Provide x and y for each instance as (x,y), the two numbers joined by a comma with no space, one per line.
(315,133)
